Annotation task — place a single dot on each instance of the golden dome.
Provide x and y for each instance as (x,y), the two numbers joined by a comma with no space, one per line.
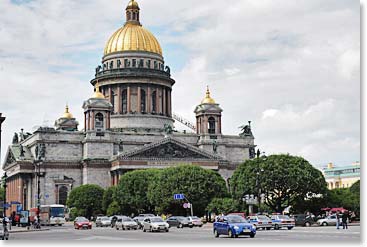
(132,5)
(67,114)
(97,94)
(208,99)
(132,36)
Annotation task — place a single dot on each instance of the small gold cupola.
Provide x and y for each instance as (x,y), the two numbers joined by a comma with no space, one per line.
(97,94)
(67,114)
(208,99)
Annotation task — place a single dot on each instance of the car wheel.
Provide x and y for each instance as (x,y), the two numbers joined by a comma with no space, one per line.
(252,235)
(236,236)
(167,230)
(191,226)
(216,233)
(290,227)
(144,229)
(276,227)
(200,225)
(117,228)
(324,224)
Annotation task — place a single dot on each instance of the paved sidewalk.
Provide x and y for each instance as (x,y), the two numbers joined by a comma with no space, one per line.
(15,229)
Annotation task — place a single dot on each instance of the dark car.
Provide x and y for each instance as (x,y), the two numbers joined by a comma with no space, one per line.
(82,223)
(179,221)
(233,226)
(303,220)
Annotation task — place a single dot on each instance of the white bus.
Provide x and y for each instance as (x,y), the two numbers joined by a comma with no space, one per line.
(53,214)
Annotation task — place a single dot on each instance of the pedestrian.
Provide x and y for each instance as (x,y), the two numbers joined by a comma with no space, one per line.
(337,216)
(345,220)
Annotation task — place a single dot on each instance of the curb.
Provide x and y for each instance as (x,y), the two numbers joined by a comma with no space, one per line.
(32,230)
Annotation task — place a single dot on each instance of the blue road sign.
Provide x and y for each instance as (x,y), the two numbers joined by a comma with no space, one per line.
(178,196)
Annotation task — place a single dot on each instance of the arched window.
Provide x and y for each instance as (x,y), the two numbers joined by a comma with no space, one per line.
(128,16)
(63,195)
(124,101)
(142,101)
(154,101)
(211,127)
(99,120)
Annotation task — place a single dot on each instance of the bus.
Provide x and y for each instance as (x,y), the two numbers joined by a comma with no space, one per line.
(50,214)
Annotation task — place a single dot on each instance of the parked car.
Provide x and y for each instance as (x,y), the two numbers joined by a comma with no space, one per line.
(126,223)
(233,226)
(82,223)
(146,215)
(329,220)
(260,221)
(243,215)
(139,220)
(155,224)
(114,219)
(196,221)
(303,220)
(179,221)
(4,233)
(280,221)
(103,221)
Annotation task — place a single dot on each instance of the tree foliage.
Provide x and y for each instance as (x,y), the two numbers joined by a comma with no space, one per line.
(199,186)
(348,198)
(87,199)
(108,197)
(223,205)
(114,208)
(284,179)
(131,192)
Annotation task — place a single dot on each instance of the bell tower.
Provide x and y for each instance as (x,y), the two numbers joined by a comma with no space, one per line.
(132,12)
(208,117)
(97,112)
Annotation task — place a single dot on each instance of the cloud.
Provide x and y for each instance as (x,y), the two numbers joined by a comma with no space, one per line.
(292,68)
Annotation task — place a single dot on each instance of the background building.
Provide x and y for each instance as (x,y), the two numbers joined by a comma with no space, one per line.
(341,176)
(128,125)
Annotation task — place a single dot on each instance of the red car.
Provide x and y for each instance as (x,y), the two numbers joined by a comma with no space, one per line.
(82,223)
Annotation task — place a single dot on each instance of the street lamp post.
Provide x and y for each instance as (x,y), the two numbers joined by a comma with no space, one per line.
(5,176)
(38,176)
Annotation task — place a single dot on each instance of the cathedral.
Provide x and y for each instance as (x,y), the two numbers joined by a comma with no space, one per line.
(128,125)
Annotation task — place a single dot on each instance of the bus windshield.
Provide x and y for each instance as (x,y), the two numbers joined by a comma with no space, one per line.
(57,212)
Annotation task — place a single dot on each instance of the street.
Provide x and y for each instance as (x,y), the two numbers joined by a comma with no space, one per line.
(313,234)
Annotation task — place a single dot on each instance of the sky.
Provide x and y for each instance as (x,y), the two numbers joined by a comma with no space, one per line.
(290,67)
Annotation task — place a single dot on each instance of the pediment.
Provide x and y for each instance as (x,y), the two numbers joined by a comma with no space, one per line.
(169,149)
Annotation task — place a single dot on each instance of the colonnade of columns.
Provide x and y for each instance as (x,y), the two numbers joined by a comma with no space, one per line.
(139,99)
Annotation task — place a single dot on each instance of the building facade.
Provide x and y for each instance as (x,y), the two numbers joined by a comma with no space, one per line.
(343,176)
(128,125)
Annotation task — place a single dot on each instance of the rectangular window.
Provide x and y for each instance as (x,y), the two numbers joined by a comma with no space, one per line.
(134,63)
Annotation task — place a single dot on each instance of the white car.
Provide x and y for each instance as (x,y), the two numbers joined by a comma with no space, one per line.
(196,221)
(126,223)
(155,224)
(103,221)
(330,220)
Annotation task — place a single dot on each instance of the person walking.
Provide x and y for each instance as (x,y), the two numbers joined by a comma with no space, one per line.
(345,220)
(337,220)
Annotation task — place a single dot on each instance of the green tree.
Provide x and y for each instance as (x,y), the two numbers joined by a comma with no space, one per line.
(87,199)
(198,185)
(131,191)
(108,197)
(223,205)
(284,179)
(113,208)
(2,191)
(348,198)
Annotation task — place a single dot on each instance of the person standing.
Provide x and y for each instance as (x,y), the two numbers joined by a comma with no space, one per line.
(337,220)
(345,220)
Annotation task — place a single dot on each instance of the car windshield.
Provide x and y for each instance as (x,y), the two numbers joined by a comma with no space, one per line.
(105,218)
(262,217)
(283,217)
(156,220)
(181,218)
(82,219)
(126,219)
(236,219)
